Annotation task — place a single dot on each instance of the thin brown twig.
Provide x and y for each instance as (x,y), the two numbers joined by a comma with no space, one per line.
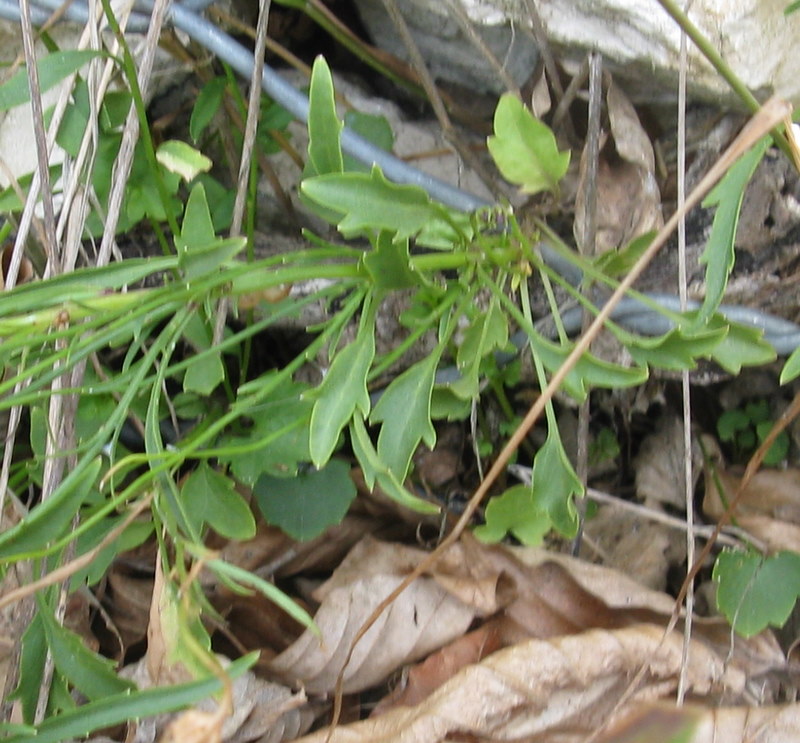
(69,569)
(685,386)
(435,98)
(42,151)
(587,247)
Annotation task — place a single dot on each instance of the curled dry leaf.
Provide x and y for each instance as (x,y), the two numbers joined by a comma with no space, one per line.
(693,724)
(530,592)
(422,619)
(261,710)
(561,689)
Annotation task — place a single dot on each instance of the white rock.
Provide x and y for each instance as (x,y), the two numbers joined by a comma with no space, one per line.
(639,41)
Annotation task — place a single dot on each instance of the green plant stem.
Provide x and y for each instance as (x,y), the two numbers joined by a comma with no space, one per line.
(708,50)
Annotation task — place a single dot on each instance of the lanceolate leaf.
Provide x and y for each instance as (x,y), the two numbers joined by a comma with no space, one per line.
(50,519)
(719,254)
(52,69)
(525,149)
(324,127)
(88,672)
(487,332)
(791,369)
(375,471)
(342,391)
(405,410)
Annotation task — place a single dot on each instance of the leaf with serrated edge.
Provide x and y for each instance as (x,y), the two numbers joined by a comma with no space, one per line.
(719,255)
(405,411)
(370,202)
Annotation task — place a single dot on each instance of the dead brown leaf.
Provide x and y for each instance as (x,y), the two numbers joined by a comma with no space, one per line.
(768,507)
(561,689)
(626,183)
(659,465)
(618,534)
(424,618)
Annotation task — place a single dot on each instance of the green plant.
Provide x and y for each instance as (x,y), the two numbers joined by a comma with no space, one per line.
(266,433)
(747,427)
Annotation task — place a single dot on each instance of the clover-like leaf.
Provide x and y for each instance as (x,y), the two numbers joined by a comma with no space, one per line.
(514,512)
(754,591)
(305,505)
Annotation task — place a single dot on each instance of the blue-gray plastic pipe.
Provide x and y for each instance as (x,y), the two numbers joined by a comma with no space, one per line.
(782,334)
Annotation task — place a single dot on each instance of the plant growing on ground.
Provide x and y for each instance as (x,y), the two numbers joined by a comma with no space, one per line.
(270,432)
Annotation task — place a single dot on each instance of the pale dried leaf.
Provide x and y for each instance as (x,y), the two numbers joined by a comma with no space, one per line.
(561,689)
(659,464)
(194,726)
(630,139)
(768,508)
(423,618)
(618,534)
(261,710)
(657,722)
(608,598)
(770,492)
(468,570)
(627,189)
